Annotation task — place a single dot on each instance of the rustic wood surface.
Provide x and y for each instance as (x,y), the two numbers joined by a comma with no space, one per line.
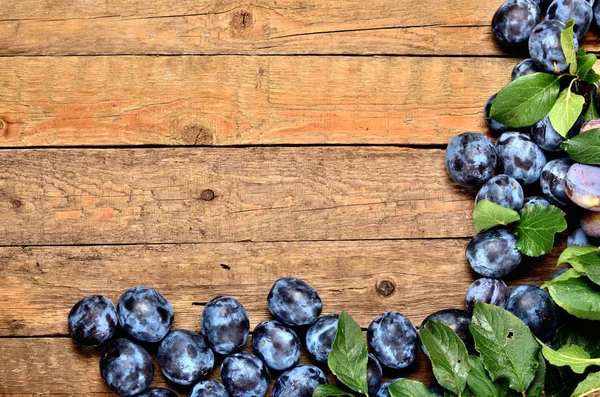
(333,114)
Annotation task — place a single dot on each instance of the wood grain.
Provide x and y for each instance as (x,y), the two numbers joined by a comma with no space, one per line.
(252,27)
(232,100)
(91,196)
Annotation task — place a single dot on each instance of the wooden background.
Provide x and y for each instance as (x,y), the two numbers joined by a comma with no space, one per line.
(207,147)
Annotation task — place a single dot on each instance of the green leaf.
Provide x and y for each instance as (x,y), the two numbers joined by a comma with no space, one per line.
(448,355)
(479,381)
(537,385)
(566,111)
(585,147)
(507,347)
(537,227)
(569,355)
(582,334)
(585,63)
(409,388)
(487,215)
(571,254)
(569,274)
(526,100)
(578,296)
(566,42)
(329,390)
(561,381)
(591,77)
(590,264)
(348,357)
(589,385)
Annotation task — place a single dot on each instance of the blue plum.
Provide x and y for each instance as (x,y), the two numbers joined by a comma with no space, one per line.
(525,67)
(536,200)
(277,345)
(374,375)
(245,375)
(159,392)
(437,390)
(502,190)
(299,381)
(184,357)
(553,181)
(209,388)
(93,321)
(145,314)
(458,320)
(493,253)
(590,224)
(546,137)
(225,325)
(582,185)
(471,159)
(534,307)
(520,157)
(126,368)
(383,391)
(596,11)
(578,10)
(487,290)
(514,21)
(577,238)
(320,336)
(493,125)
(294,302)
(393,340)
(545,48)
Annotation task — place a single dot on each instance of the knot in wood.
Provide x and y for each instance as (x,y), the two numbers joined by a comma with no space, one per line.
(207,195)
(195,134)
(16,203)
(241,20)
(386,288)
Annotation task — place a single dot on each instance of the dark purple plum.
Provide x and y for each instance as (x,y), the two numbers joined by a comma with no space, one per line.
(534,307)
(577,238)
(299,381)
(596,12)
(437,390)
(536,200)
(545,48)
(458,320)
(493,253)
(294,302)
(578,10)
(374,375)
(277,345)
(320,336)
(93,321)
(487,290)
(184,357)
(520,157)
(525,67)
(145,314)
(502,190)
(582,185)
(159,392)
(552,181)
(245,375)
(126,368)
(209,388)
(514,21)
(590,224)
(471,159)
(383,391)
(225,325)
(494,126)
(546,137)
(393,339)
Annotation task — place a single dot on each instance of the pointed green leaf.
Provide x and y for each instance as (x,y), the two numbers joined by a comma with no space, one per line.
(507,347)
(448,355)
(569,355)
(537,385)
(526,100)
(409,388)
(487,215)
(329,391)
(585,147)
(591,77)
(566,42)
(479,381)
(348,357)
(585,63)
(565,111)
(583,336)
(589,385)
(537,227)
(569,274)
(578,296)
(591,112)
(571,254)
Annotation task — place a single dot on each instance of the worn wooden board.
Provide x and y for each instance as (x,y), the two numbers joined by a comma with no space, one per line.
(181,195)
(240,100)
(435,27)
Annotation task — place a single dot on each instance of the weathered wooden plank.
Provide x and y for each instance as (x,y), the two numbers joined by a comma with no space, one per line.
(231,100)
(81,196)
(253,27)
(40,284)
(60,367)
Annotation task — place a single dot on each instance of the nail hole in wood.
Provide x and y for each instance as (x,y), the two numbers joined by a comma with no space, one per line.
(207,195)
(386,288)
